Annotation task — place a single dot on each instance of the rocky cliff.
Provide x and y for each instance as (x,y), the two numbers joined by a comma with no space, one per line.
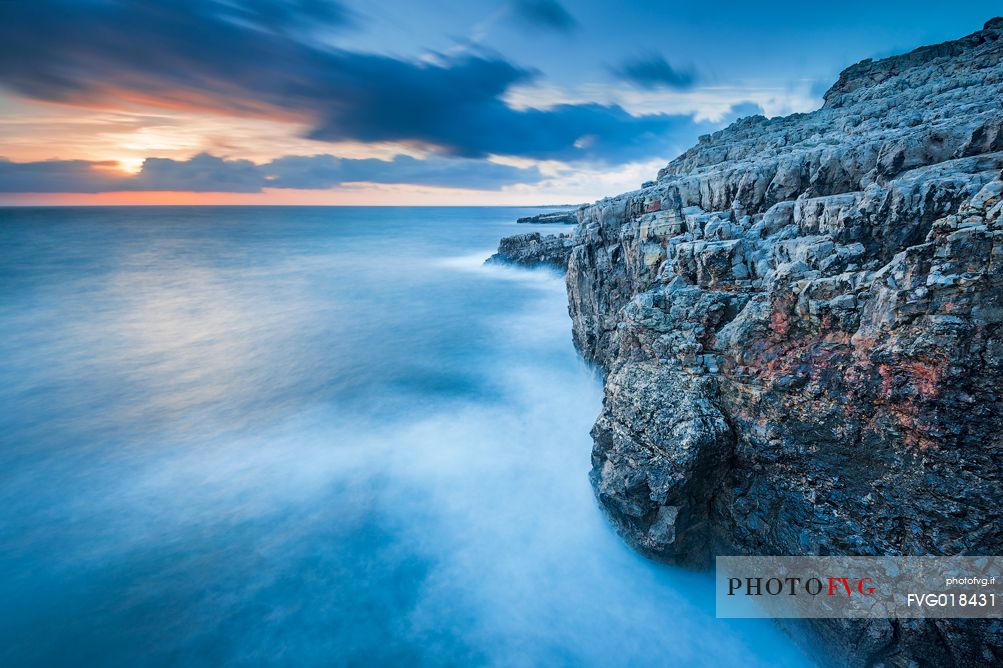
(535,249)
(800,328)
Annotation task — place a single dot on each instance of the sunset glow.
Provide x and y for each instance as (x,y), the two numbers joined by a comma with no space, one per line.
(235,107)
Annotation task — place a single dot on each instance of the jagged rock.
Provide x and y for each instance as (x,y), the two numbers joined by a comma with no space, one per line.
(655,465)
(569,217)
(534,249)
(801,327)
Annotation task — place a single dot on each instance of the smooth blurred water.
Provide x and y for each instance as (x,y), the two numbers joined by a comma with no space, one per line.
(311,436)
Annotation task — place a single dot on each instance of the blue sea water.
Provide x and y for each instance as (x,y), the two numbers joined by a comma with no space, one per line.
(245,436)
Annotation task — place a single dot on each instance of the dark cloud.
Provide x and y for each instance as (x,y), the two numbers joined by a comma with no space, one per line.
(50,176)
(742,110)
(326,171)
(201,173)
(215,55)
(653,71)
(207,173)
(548,14)
(569,132)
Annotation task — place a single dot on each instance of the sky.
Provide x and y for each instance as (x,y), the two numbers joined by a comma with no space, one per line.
(399,102)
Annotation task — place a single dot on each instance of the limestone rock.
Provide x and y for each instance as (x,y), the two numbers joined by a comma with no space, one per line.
(534,249)
(801,327)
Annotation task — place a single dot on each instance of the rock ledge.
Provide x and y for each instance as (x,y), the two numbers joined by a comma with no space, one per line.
(535,249)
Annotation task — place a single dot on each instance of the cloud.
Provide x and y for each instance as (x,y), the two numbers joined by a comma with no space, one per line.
(820,87)
(207,173)
(326,171)
(78,176)
(547,14)
(236,58)
(584,132)
(653,71)
(277,15)
(201,173)
(742,110)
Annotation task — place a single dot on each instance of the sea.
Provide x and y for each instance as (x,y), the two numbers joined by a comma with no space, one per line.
(312,436)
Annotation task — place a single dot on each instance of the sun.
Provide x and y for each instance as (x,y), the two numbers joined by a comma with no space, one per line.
(130,165)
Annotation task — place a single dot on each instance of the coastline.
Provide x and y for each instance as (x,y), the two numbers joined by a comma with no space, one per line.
(790,292)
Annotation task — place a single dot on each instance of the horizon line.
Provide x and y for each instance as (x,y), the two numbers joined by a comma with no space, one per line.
(317,206)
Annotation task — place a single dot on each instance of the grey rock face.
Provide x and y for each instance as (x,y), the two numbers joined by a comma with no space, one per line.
(801,326)
(534,249)
(667,446)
